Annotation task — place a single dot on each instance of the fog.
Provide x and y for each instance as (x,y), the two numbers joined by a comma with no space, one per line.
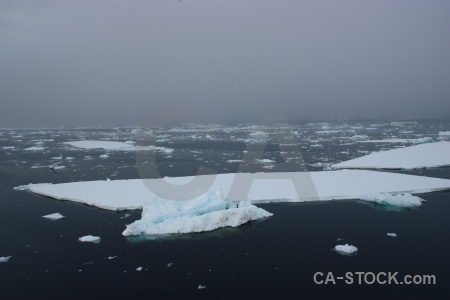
(82,63)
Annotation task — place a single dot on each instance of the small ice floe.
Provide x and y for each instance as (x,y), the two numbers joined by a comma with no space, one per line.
(87,157)
(339,239)
(441,133)
(5,259)
(345,249)
(139,269)
(316,146)
(392,234)
(90,239)
(201,287)
(400,200)
(126,215)
(230,161)
(104,156)
(53,217)
(265,160)
(169,265)
(111,257)
(70,158)
(8,147)
(34,148)
(57,157)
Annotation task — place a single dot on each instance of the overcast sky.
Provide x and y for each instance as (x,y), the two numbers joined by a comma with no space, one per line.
(121,62)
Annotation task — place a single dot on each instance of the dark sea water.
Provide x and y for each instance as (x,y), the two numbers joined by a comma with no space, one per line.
(272,258)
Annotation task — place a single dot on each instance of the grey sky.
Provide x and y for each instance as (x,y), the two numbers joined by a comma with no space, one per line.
(118,62)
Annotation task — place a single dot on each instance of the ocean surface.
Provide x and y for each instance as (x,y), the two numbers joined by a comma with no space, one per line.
(272,258)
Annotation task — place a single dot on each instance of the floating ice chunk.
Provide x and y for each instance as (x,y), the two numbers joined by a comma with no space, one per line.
(90,239)
(169,265)
(57,157)
(111,257)
(329,131)
(421,140)
(265,160)
(414,157)
(55,216)
(359,137)
(230,161)
(345,249)
(34,148)
(441,133)
(70,158)
(117,146)
(139,269)
(400,200)
(392,234)
(201,287)
(316,146)
(104,156)
(204,213)
(403,123)
(8,147)
(4,259)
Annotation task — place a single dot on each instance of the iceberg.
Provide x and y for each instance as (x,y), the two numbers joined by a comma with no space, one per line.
(207,212)
(400,200)
(345,249)
(53,217)
(4,259)
(414,157)
(90,239)
(262,187)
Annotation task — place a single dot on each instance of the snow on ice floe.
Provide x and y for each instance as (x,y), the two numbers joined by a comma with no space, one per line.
(345,249)
(207,212)
(413,157)
(401,200)
(117,146)
(4,259)
(55,216)
(264,187)
(90,239)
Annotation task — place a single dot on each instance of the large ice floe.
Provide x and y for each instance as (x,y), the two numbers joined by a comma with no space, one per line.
(117,146)
(256,187)
(414,157)
(207,212)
